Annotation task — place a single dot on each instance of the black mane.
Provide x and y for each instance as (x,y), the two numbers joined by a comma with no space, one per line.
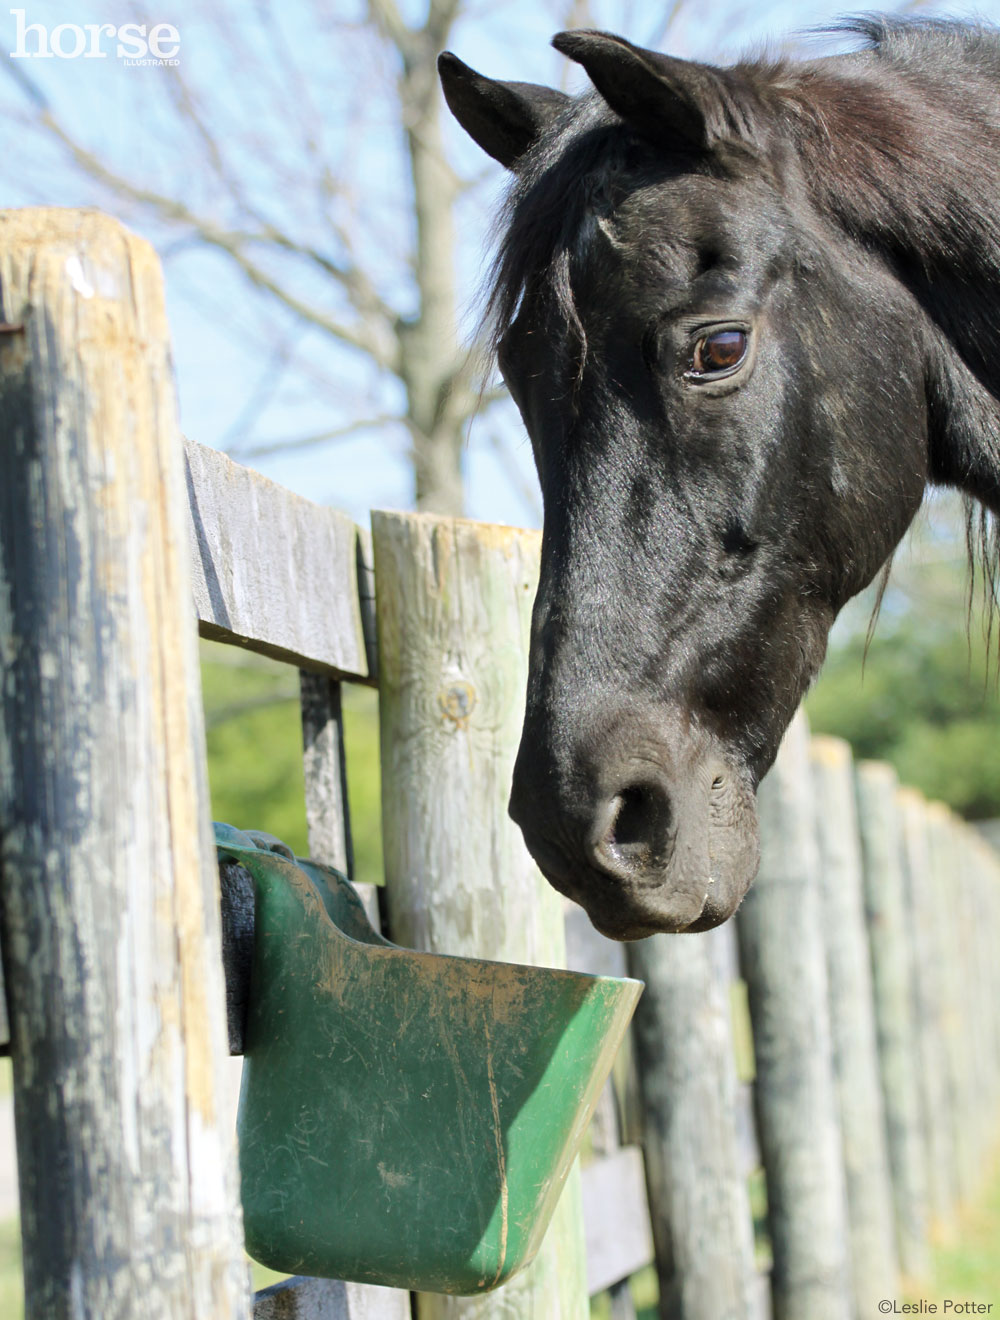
(863,125)
(889,138)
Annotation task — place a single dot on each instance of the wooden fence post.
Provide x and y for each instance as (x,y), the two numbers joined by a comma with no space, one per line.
(454,607)
(695,1172)
(110,924)
(874,1264)
(892,978)
(784,965)
(949,879)
(983,935)
(927,945)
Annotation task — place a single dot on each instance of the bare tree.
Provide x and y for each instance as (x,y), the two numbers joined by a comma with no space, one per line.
(269,190)
(306,149)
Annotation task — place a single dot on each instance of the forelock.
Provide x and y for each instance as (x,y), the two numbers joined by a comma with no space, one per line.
(570,175)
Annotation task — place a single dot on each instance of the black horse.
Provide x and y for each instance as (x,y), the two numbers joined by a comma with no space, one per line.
(747,314)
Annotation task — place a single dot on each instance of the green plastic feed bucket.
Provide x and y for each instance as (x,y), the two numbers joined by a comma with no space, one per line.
(405,1118)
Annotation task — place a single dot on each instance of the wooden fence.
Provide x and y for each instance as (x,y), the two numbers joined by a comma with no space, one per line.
(865,951)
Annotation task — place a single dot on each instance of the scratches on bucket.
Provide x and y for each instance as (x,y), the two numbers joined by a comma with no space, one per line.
(501,1158)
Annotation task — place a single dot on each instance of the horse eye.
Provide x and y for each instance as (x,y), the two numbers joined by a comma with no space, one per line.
(718,354)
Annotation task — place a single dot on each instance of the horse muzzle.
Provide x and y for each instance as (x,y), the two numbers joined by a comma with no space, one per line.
(649,828)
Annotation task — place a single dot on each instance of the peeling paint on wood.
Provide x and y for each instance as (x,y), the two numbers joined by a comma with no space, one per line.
(110,926)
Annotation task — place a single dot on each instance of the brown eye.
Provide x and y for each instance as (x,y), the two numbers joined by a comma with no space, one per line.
(719,353)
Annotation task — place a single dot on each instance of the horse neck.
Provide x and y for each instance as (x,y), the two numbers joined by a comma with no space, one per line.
(908,163)
(907,158)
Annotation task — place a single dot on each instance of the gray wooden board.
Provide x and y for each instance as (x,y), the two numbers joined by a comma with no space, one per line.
(273,572)
(329,1299)
(619,1240)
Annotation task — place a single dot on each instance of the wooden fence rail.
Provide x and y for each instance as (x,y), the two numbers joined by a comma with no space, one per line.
(866,950)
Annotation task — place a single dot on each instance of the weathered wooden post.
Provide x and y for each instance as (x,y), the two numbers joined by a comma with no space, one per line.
(928,947)
(454,606)
(780,929)
(949,879)
(892,978)
(982,936)
(698,1192)
(110,923)
(852,1019)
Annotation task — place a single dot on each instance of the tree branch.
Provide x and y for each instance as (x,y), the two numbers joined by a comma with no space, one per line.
(323,437)
(387,18)
(373,334)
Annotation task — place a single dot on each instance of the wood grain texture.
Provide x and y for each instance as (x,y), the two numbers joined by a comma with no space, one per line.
(454,605)
(110,928)
(780,928)
(874,1265)
(889,938)
(272,571)
(697,1183)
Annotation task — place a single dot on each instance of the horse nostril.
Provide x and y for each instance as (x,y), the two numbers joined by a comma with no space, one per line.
(637,832)
(632,820)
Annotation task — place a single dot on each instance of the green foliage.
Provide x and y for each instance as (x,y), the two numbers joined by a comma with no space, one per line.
(11,1284)
(645,1295)
(965,1265)
(923,701)
(255,753)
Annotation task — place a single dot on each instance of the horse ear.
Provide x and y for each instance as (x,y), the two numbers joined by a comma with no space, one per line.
(505,118)
(657,93)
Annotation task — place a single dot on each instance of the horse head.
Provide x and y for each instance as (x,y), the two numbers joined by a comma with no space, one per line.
(728,394)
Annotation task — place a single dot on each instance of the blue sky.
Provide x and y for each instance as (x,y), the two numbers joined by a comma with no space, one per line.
(228,344)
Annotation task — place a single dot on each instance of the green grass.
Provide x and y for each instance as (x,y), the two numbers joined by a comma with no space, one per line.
(966,1261)
(263,1277)
(11,1287)
(254,737)
(645,1295)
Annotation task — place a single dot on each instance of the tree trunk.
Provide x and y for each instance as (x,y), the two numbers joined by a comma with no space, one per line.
(433,368)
